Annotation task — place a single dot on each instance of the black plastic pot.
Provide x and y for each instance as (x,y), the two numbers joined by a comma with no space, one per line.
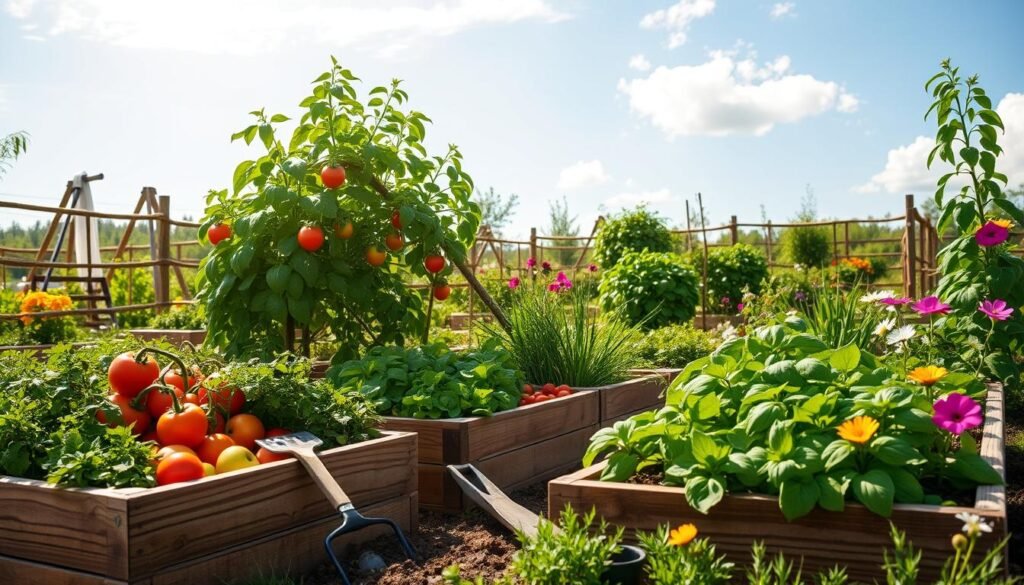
(627,566)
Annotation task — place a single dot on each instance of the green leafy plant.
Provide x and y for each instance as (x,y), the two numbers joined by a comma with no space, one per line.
(579,552)
(840,317)
(779,412)
(557,337)
(674,346)
(651,289)
(432,381)
(808,246)
(978,265)
(260,281)
(181,317)
(669,563)
(636,231)
(732,271)
(132,287)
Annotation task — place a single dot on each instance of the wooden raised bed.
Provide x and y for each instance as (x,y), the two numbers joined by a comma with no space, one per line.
(714,321)
(175,336)
(268,520)
(623,400)
(513,448)
(854,538)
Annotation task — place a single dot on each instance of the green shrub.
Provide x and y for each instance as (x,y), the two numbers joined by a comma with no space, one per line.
(635,230)
(182,317)
(731,271)
(780,293)
(807,246)
(577,553)
(140,282)
(674,346)
(651,289)
(557,337)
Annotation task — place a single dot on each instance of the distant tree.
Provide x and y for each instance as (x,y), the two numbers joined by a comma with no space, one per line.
(808,205)
(496,210)
(11,147)
(563,224)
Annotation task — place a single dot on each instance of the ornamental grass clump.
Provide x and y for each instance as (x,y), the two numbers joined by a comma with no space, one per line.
(556,336)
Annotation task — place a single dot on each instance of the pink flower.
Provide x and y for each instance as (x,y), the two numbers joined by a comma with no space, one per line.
(996,310)
(725,300)
(739,307)
(991,234)
(545,265)
(930,306)
(592,268)
(956,413)
(895,301)
(513,283)
(553,287)
(531,262)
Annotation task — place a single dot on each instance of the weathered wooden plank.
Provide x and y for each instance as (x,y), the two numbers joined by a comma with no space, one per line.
(173,524)
(431,434)
(993,450)
(618,401)
(527,425)
(539,461)
(20,572)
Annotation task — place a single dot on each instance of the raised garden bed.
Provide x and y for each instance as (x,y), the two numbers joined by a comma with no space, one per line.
(268,520)
(460,321)
(714,321)
(513,448)
(175,336)
(623,400)
(854,538)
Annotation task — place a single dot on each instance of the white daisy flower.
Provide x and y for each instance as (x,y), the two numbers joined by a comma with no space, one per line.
(974,525)
(884,327)
(901,335)
(877,295)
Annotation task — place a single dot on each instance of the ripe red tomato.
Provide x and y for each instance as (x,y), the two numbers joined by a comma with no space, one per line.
(394,242)
(563,393)
(527,389)
(344,231)
(563,387)
(549,388)
(187,427)
(218,424)
(434,263)
(543,397)
(524,401)
(311,238)
(442,292)
(159,401)
(129,415)
(178,467)
(218,233)
(244,429)
(265,456)
(212,446)
(128,377)
(174,378)
(333,177)
(396,220)
(225,397)
(375,256)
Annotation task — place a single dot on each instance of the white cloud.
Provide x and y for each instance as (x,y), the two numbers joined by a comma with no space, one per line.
(677,18)
(634,198)
(639,62)
(905,166)
(582,174)
(781,9)
(268,25)
(730,96)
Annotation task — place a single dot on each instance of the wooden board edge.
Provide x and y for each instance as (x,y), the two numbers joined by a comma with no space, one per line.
(22,572)
(992,498)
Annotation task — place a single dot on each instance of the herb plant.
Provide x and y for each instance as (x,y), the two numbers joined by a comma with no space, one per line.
(651,289)
(675,346)
(779,412)
(808,246)
(432,381)
(731,272)
(183,317)
(631,231)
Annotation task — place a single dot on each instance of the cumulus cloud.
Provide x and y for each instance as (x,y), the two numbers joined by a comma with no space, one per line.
(639,62)
(728,95)
(634,198)
(905,166)
(781,9)
(676,19)
(263,26)
(582,174)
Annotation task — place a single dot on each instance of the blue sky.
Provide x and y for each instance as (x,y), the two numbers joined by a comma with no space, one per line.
(745,101)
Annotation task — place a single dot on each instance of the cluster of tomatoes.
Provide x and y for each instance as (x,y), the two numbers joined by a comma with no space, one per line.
(311,237)
(549,391)
(196,423)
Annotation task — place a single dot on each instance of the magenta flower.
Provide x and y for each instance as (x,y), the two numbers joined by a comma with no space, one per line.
(553,287)
(725,300)
(895,301)
(930,306)
(991,234)
(546,266)
(592,268)
(513,283)
(956,413)
(739,307)
(996,310)
(531,262)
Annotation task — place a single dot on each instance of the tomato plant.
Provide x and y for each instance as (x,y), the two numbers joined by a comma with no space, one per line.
(129,375)
(218,233)
(261,282)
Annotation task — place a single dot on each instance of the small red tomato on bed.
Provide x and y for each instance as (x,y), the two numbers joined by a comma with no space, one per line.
(442,292)
(333,177)
(527,389)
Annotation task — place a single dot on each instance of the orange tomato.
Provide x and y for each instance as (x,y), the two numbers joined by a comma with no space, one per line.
(187,427)
(375,256)
(394,242)
(212,446)
(344,231)
(311,238)
(178,467)
(265,456)
(165,452)
(244,429)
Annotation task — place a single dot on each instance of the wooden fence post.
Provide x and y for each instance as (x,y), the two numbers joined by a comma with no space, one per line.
(909,265)
(846,236)
(163,289)
(734,231)
(769,244)
(533,251)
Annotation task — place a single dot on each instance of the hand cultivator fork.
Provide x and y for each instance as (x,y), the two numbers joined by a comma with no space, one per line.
(301,445)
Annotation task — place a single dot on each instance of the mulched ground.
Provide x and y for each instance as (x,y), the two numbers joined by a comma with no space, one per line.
(1015,494)
(474,541)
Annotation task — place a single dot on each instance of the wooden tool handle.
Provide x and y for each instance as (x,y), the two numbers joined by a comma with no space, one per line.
(323,478)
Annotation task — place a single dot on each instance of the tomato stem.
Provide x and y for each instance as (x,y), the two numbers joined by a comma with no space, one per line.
(163,385)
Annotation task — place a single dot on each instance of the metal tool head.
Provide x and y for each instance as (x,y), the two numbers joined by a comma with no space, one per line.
(351,521)
(289,443)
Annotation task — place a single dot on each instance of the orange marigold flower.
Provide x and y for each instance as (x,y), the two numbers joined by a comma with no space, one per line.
(682,535)
(858,430)
(927,375)
(1003,223)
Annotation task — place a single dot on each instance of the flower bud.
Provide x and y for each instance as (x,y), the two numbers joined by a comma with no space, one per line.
(960,542)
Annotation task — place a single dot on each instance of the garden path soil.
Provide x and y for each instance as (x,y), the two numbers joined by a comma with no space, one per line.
(474,541)
(1015,495)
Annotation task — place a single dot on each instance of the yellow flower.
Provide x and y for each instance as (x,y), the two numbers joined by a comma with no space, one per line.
(927,375)
(37,301)
(858,429)
(683,535)
(1003,223)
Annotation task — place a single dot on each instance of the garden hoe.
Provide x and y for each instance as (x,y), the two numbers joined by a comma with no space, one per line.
(301,445)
